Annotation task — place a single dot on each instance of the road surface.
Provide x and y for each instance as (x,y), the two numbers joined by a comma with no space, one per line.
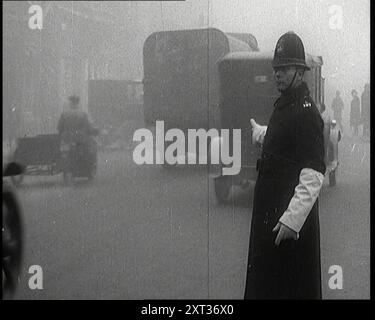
(146,232)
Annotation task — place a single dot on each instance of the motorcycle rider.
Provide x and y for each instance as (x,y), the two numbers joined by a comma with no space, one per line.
(74,127)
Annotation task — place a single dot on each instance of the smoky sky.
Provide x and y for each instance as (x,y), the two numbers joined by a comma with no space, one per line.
(345,50)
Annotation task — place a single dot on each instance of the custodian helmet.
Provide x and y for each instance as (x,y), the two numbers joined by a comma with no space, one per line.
(289,51)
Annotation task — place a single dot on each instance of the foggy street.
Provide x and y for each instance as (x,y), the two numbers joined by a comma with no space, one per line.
(142,232)
(132,132)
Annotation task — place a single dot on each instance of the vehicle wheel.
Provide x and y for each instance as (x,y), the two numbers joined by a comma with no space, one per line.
(222,187)
(67,177)
(12,236)
(93,172)
(332,178)
(17,180)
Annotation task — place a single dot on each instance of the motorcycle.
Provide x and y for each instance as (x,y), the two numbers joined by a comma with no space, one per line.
(79,158)
(12,232)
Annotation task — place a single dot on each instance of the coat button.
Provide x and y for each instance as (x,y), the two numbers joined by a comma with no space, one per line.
(265,221)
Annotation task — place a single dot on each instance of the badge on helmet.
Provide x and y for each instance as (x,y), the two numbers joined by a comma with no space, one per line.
(289,51)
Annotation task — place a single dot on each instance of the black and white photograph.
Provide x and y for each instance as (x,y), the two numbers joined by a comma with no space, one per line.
(214,150)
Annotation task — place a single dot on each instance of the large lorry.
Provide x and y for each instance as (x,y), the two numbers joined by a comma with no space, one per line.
(181,80)
(115,107)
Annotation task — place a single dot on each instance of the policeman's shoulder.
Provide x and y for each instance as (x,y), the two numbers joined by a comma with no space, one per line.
(308,108)
(306,105)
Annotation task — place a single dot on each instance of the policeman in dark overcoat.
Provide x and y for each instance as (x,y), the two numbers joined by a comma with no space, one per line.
(284,249)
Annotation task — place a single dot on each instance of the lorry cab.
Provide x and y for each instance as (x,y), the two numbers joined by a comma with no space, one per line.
(247,90)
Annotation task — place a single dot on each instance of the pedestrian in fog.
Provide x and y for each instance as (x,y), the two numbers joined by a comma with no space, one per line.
(365,111)
(284,246)
(355,113)
(74,126)
(337,108)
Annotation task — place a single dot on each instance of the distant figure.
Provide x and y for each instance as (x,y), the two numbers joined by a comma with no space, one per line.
(355,113)
(365,111)
(322,108)
(75,127)
(338,107)
(74,124)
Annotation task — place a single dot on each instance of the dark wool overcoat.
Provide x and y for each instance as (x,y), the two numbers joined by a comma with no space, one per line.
(294,141)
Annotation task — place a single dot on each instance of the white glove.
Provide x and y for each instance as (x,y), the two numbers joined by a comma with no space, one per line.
(305,195)
(258,132)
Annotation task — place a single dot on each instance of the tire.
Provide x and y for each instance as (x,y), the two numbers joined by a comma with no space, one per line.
(93,172)
(67,178)
(222,187)
(17,180)
(332,178)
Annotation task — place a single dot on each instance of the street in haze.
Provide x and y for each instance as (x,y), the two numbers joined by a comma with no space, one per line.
(140,76)
(148,232)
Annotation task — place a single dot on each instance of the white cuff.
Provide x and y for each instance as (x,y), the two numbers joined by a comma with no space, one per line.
(305,195)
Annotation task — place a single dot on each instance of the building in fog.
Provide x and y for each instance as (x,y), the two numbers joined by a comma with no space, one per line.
(79,41)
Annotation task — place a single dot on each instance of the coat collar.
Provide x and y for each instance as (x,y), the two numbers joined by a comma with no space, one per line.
(292,95)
